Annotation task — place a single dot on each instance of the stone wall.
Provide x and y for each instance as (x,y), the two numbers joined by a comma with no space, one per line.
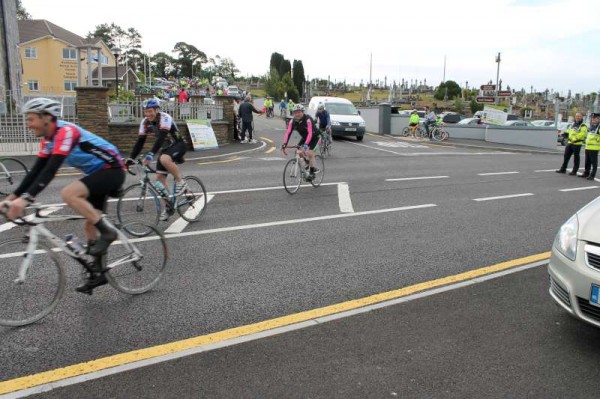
(92,110)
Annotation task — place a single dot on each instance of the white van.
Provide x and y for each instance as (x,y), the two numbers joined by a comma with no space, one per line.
(345,119)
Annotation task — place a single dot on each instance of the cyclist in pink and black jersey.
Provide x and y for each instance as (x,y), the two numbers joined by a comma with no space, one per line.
(305,126)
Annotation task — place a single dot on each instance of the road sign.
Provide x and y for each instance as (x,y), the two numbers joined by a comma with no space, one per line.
(488,87)
(486,99)
(504,93)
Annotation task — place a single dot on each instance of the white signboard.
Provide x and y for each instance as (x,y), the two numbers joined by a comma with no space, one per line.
(202,134)
(493,116)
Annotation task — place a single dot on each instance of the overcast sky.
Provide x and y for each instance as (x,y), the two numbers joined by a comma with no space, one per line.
(543,43)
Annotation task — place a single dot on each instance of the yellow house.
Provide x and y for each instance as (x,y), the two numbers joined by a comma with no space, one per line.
(55,61)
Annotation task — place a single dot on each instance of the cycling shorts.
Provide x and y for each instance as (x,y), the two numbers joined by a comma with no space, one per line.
(103,184)
(313,142)
(176,151)
(412,124)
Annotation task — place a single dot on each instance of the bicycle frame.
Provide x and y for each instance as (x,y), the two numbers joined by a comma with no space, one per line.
(299,154)
(37,230)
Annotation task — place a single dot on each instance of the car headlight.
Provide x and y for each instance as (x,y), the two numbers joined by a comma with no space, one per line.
(362,124)
(335,123)
(566,239)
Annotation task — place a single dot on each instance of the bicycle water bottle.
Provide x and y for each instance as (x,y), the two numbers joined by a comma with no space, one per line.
(74,245)
(162,190)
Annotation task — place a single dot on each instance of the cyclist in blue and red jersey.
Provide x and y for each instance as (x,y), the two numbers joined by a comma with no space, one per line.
(305,126)
(97,158)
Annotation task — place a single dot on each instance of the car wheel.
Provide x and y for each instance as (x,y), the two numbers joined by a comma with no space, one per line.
(359,138)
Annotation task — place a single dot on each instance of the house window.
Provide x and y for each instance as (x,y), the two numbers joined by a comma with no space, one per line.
(30,52)
(33,85)
(103,59)
(70,85)
(69,54)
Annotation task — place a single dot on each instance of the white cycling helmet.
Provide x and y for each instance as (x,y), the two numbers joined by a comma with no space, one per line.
(321,106)
(42,106)
(298,107)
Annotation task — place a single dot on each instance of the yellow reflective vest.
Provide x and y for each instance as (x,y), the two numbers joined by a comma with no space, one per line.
(414,118)
(592,142)
(577,134)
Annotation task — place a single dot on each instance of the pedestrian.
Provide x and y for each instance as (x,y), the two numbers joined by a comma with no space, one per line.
(245,113)
(592,146)
(236,119)
(182,96)
(576,138)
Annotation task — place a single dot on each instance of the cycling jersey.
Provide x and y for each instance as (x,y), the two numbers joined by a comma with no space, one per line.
(83,150)
(165,130)
(303,126)
(323,119)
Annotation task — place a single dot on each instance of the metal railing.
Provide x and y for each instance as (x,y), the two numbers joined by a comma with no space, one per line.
(133,111)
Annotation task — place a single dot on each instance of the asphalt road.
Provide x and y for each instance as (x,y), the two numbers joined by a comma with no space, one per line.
(419,212)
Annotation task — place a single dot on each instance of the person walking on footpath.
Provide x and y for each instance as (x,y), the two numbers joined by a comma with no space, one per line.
(245,113)
(576,138)
(592,146)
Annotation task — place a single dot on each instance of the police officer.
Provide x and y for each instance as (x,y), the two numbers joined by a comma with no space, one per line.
(592,146)
(576,138)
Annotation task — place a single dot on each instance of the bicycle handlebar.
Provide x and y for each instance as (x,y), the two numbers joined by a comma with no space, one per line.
(38,207)
(138,162)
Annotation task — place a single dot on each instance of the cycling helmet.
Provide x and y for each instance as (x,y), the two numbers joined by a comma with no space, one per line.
(321,106)
(298,107)
(42,106)
(152,103)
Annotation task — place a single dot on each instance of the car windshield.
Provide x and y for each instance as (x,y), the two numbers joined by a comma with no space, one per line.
(341,109)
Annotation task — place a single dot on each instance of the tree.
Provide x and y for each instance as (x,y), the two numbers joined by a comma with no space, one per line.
(188,55)
(115,36)
(227,68)
(453,90)
(276,62)
(286,68)
(475,106)
(163,65)
(298,77)
(22,13)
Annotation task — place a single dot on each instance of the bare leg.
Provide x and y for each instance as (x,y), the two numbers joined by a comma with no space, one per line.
(75,195)
(171,167)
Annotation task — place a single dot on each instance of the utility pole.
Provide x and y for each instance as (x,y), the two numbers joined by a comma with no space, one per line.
(444,77)
(497,77)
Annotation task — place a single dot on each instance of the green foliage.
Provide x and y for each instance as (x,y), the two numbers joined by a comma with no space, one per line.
(475,106)
(276,87)
(22,13)
(298,77)
(124,97)
(276,62)
(115,36)
(189,56)
(449,88)
(459,106)
(164,65)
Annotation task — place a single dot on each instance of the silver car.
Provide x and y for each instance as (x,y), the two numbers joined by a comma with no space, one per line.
(575,264)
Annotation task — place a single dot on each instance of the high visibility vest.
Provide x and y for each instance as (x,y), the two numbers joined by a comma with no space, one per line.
(592,142)
(577,134)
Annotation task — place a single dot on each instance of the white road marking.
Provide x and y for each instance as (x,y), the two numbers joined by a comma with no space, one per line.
(246,190)
(418,178)
(503,197)
(398,144)
(44,212)
(433,153)
(498,173)
(180,224)
(271,224)
(578,189)
(344,198)
(544,170)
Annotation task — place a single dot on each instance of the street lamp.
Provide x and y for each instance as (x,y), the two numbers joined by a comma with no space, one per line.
(116,52)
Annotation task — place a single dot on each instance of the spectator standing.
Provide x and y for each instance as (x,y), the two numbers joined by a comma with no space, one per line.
(430,119)
(182,96)
(245,113)
(592,146)
(576,138)
(236,117)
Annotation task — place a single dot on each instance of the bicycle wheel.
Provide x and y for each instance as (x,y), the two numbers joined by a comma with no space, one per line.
(445,135)
(406,132)
(319,164)
(138,203)
(436,134)
(12,173)
(191,205)
(136,277)
(292,176)
(420,132)
(321,145)
(26,302)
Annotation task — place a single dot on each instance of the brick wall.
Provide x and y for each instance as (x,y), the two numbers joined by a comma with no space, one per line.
(92,112)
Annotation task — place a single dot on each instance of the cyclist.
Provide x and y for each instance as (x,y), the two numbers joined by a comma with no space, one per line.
(97,158)
(170,143)
(413,122)
(323,121)
(430,119)
(304,125)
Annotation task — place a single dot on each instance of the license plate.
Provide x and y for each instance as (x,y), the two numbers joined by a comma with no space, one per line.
(595,295)
(351,129)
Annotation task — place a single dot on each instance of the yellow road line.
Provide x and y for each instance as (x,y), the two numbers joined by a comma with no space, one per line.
(223,161)
(75,370)
(267,139)
(270,150)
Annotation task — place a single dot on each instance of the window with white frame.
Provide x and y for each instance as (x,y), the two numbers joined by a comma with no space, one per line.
(30,52)
(70,85)
(103,59)
(69,54)
(33,85)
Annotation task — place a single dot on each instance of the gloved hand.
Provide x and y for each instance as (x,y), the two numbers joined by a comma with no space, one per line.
(305,147)
(283,146)
(129,162)
(149,157)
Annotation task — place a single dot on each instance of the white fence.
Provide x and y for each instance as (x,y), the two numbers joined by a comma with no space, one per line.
(134,111)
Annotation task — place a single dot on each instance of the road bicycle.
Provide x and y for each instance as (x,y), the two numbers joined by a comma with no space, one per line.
(297,170)
(33,276)
(416,131)
(141,202)
(439,133)
(12,173)
(325,143)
